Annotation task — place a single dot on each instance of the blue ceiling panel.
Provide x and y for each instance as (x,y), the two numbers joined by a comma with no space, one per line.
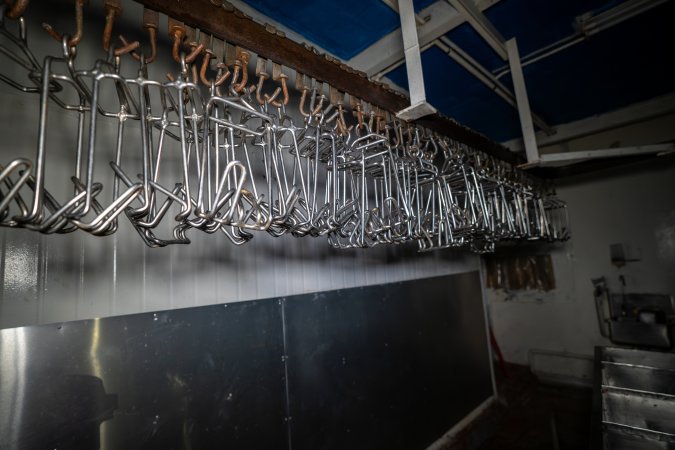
(343,28)
(536,24)
(628,63)
(475,46)
(458,94)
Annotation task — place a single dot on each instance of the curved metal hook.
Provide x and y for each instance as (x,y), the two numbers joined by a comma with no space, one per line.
(150,23)
(77,37)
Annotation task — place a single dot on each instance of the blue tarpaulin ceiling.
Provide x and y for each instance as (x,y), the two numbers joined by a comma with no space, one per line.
(627,63)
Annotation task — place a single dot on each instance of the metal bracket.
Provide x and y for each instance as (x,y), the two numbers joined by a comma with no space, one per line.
(413,63)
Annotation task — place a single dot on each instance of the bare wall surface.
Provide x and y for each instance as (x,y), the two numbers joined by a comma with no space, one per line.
(634,206)
(60,278)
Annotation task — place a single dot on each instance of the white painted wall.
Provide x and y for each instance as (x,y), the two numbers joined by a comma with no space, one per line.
(66,277)
(634,206)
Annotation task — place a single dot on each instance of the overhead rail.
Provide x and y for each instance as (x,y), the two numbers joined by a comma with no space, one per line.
(211,147)
(229,24)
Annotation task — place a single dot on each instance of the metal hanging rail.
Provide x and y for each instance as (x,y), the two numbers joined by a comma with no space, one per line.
(216,150)
(225,22)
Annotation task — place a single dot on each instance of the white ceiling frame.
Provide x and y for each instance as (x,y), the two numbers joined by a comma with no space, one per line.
(419,106)
(388,51)
(566,158)
(524,111)
(466,61)
(482,25)
(486,77)
(635,113)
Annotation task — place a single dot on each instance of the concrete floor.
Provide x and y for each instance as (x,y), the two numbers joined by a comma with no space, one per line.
(530,416)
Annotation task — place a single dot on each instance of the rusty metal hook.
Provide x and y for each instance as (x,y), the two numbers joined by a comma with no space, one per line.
(244,58)
(316,110)
(127,47)
(262,76)
(342,125)
(113,8)
(235,75)
(359,115)
(220,79)
(303,97)
(177,33)
(223,74)
(284,90)
(278,75)
(150,23)
(260,71)
(77,37)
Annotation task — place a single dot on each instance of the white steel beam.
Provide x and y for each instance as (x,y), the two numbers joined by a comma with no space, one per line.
(531,150)
(413,63)
(573,157)
(482,25)
(635,113)
(388,51)
(486,77)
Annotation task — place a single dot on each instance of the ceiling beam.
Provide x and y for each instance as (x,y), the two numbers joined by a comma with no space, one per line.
(388,51)
(231,25)
(486,77)
(635,113)
(524,112)
(584,155)
(482,25)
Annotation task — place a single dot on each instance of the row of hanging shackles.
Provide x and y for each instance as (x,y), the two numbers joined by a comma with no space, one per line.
(207,148)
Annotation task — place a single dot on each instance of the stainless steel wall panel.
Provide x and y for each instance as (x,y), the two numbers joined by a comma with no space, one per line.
(195,378)
(391,366)
(386,366)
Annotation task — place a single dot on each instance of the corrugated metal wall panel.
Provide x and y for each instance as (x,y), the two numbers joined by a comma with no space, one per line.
(60,278)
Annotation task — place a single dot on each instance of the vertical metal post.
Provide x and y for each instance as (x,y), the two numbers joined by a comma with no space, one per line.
(524,112)
(413,63)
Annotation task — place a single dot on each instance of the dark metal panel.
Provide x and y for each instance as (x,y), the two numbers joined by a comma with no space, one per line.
(209,377)
(391,366)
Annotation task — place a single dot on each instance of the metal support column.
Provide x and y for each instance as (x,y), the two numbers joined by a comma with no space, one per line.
(413,63)
(531,149)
